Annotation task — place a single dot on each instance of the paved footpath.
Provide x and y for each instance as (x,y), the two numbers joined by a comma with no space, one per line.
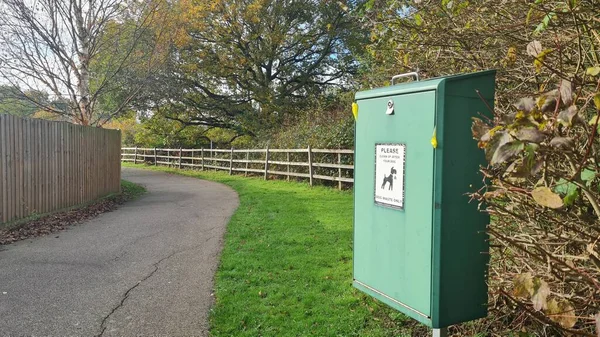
(145,269)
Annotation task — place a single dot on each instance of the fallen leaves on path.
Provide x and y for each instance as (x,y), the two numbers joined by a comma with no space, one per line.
(59,221)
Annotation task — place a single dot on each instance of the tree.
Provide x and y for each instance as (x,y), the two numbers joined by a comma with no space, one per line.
(246,63)
(15,102)
(56,46)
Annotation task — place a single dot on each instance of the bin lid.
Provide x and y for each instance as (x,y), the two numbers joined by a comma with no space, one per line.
(416,86)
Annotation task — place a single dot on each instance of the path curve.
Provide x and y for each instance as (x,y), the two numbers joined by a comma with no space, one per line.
(145,269)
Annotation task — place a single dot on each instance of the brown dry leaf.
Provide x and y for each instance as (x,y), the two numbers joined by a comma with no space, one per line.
(562,312)
(568,318)
(566,116)
(566,92)
(562,142)
(530,134)
(523,285)
(534,48)
(598,324)
(479,128)
(540,295)
(545,197)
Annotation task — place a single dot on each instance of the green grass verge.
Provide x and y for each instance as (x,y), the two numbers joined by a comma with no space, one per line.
(130,190)
(286,265)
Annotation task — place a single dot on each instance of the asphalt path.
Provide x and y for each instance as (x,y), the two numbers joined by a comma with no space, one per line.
(145,269)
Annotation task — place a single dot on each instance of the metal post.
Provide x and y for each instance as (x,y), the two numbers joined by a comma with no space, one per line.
(135,156)
(442,332)
(155,160)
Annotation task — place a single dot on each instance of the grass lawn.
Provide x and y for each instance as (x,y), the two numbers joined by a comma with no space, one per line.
(286,266)
(131,191)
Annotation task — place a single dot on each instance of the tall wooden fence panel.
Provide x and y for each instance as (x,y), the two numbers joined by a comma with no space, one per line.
(47,166)
(332,165)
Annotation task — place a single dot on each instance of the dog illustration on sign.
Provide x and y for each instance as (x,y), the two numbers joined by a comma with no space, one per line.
(389,179)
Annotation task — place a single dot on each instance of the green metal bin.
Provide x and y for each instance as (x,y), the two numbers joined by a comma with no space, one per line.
(419,245)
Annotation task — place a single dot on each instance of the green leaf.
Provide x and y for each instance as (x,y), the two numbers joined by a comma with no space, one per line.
(588,176)
(597,101)
(540,58)
(545,197)
(418,19)
(593,121)
(593,71)
(568,189)
(545,22)
(507,151)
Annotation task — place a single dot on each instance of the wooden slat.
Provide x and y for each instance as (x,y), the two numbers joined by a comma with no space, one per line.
(288,150)
(292,174)
(340,166)
(333,151)
(293,163)
(250,161)
(249,170)
(348,180)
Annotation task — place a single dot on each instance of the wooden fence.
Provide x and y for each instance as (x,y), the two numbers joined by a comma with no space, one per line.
(310,164)
(47,166)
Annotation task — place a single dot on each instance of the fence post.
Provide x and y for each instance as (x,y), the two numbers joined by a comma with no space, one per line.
(310,166)
(340,171)
(155,157)
(247,159)
(288,166)
(231,162)
(180,151)
(135,156)
(202,157)
(266,162)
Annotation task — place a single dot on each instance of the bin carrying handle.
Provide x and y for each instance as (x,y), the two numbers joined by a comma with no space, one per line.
(414,74)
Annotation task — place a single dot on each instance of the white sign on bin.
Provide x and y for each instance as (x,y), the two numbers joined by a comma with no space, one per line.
(389,175)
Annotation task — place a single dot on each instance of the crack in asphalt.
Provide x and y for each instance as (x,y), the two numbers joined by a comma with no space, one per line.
(124,252)
(126,294)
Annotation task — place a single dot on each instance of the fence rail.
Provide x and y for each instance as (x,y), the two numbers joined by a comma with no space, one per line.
(312,164)
(47,166)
